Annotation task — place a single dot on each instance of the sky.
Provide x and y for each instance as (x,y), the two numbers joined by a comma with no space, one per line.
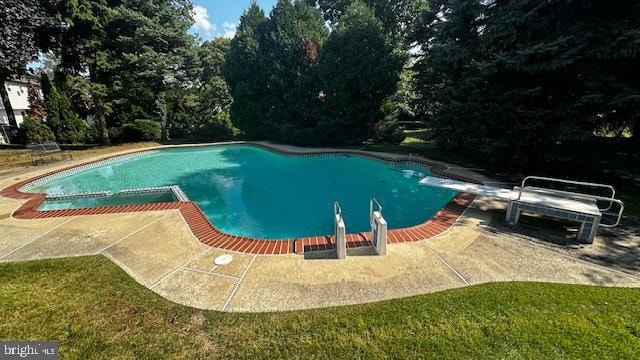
(214,18)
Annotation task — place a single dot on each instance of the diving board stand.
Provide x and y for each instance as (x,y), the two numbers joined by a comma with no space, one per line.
(559,204)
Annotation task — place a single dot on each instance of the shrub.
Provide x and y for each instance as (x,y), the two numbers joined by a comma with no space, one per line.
(218,127)
(32,131)
(388,130)
(115,134)
(141,130)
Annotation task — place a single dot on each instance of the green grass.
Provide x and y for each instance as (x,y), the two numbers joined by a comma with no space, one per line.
(95,310)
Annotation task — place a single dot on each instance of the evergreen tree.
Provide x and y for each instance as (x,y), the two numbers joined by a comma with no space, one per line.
(357,70)
(131,49)
(213,93)
(397,16)
(519,80)
(289,47)
(34,131)
(242,73)
(266,67)
(37,111)
(63,121)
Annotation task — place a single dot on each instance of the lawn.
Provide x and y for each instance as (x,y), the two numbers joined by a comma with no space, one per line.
(95,310)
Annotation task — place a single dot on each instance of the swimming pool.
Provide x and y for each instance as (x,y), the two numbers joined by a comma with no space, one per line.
(252,192)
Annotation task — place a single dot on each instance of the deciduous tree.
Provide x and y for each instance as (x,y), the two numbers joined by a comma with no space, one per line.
(22,24)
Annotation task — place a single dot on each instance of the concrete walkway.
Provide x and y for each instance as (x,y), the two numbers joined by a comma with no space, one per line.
(159,251)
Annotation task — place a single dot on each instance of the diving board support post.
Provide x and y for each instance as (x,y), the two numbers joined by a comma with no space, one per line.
(378,227)
(588,222)
(340,232)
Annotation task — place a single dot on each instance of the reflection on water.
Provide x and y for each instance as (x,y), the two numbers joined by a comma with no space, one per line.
(249,191)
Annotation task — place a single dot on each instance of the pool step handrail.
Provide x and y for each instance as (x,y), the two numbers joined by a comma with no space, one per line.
(339,232)
(378,227)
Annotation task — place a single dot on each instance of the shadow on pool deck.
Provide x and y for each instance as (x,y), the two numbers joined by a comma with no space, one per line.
(159,251)
(617,248)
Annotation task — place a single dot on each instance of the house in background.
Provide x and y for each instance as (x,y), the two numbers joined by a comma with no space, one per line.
(18,96)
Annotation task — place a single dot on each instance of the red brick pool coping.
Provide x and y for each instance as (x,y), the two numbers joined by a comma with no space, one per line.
(208,234)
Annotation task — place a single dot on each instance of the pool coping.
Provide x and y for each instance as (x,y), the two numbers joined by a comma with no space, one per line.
(208,234)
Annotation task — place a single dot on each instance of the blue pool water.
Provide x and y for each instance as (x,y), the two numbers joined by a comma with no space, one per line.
(248,191)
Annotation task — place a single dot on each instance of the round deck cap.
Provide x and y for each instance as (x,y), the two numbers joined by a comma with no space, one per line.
(223,259)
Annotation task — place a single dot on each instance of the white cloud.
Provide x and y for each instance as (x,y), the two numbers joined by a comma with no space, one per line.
(201,18)
(229,29)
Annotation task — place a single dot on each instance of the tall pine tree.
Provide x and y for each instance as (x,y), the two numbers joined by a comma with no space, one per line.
(67,126)
(242,73)
(357,70)
(520,80)
(266,65)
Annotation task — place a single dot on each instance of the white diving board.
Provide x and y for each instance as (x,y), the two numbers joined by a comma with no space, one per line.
(475,189)
(533,197)
(549,202)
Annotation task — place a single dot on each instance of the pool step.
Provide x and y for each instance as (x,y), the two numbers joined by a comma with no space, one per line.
(328,243)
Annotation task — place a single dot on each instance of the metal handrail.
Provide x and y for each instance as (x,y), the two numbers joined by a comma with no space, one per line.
(371,201)
(619,202)
(337,210)
(610,200)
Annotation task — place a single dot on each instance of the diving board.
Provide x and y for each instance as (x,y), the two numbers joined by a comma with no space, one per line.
(476,189)
(566,205)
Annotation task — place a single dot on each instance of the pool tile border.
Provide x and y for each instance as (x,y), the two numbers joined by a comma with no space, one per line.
(209,235)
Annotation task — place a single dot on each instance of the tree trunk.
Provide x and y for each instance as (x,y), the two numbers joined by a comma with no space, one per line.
(100,111)
(161,104)
(101,120)
(7,104)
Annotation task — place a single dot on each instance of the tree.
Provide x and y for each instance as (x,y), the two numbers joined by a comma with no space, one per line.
(37,111)
(77,47)
(388,129)
(519,80)
(213,92)
(357,70)
(266,66)
(61,118)
(91,95)
(34,131)
(289,47)
(22,22)
(397,16)
(242,74)
(132,51)
(147,43)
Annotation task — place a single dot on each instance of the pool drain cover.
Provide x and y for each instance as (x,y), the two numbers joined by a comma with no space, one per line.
(223,259)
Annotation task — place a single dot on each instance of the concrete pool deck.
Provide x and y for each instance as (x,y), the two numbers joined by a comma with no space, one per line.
(158,250)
